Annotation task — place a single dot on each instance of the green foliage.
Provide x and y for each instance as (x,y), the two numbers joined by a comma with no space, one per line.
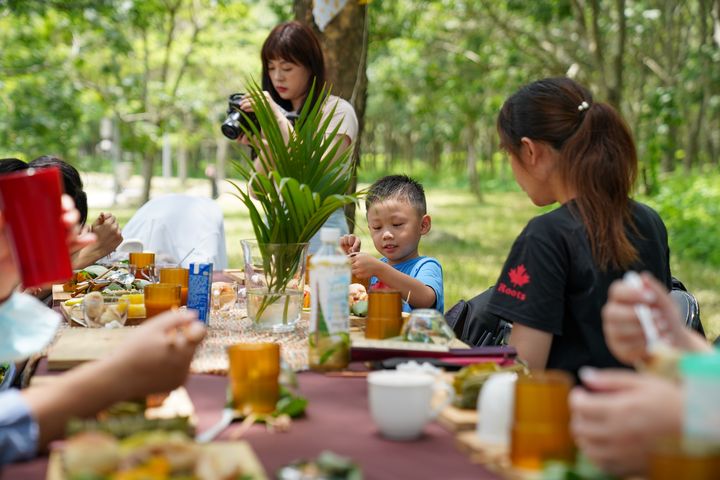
(690,207)
(302,180)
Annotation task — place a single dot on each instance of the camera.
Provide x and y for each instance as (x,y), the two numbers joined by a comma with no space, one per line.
(233,125)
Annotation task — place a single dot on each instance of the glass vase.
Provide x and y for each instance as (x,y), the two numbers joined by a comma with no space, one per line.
(274,283)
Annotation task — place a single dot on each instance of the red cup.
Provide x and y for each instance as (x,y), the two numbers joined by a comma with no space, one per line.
(30,203)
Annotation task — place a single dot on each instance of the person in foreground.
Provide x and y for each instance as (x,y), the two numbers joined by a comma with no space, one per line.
(566,147)
(154,359)
(397,218)
(619,414)
(292,61)
(105,227)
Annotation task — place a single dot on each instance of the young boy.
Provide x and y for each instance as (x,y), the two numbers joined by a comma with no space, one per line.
(397,218)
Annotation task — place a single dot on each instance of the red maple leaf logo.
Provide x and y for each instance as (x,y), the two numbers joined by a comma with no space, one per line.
(519,276)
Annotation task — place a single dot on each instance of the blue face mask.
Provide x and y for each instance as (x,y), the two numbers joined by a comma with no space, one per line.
(26,327)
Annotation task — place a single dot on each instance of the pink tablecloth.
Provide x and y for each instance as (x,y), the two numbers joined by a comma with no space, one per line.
(337,419)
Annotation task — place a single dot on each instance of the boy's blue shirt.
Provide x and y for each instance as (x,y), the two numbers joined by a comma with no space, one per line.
(426,269)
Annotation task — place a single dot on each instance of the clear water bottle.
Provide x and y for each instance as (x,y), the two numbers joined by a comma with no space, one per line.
(329,339)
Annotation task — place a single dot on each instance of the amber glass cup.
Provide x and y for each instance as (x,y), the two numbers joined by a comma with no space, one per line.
(674,458)
(541,420)
(160,297)
(253,374)
(143,262)
(365,282)
(384,318)
(177,275)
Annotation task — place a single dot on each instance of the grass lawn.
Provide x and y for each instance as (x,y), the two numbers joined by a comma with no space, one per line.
(471,241)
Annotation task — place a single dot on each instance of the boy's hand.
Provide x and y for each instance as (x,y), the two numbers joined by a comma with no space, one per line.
(350,244)
(364,266)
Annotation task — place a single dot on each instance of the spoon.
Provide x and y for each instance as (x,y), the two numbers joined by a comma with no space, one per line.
(228,415)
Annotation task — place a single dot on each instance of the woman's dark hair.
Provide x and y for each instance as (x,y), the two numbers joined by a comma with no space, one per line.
(71,181)
(598,159)
(297,43)
(9,165)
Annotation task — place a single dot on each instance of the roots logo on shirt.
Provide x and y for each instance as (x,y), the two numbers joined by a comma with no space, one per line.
(519,277)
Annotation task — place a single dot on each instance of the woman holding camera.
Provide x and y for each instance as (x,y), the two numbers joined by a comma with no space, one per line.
(292,62)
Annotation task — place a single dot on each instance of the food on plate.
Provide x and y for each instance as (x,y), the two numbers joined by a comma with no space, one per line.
(4,367)
(224,295)
(116,279)
(136,309)
(327,465)
(101,312)
(469,380)
(358,299)
(145,456)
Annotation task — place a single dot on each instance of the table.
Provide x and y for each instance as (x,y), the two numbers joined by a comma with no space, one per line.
(337,419)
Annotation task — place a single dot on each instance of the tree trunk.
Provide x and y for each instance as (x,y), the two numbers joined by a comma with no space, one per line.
(148,166)
(221,157)
(435,155)
(472,160)
(344,44)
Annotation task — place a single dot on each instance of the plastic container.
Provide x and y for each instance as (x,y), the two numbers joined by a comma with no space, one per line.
(329,339)
(701,382)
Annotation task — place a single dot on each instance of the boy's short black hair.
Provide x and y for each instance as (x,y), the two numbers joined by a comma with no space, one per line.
(397,186)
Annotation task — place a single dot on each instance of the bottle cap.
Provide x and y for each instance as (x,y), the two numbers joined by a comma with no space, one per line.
(701,364)
(329,235)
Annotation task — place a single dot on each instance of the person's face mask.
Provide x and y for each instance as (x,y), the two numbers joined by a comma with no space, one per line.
(26,327)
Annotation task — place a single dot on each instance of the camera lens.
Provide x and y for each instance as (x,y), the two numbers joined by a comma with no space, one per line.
(231,126)
(238,121)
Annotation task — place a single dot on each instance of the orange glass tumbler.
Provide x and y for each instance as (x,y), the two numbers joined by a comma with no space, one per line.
(253,373)
(541,421)
(673,458)
(384,318)
(160,297)
(143,262)
(177,275)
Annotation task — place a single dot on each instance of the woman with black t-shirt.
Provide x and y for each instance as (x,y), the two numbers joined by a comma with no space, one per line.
(564,147)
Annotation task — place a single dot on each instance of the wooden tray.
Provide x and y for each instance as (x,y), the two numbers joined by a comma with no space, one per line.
(458,419)
(242,451)
(58,295)
(236,274)
(74,346)
(494,457)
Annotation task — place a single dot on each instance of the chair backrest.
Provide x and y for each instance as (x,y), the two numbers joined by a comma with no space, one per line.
(474,325)
(173,225)
(689,309)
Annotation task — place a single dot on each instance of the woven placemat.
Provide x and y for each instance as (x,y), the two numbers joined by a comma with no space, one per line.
(233,326)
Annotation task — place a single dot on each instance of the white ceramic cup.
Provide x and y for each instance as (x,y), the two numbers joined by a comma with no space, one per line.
(495,408)
(400,402)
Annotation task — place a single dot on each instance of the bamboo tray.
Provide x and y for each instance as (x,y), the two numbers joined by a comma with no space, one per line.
(242,451)
(74,346)
(458,419)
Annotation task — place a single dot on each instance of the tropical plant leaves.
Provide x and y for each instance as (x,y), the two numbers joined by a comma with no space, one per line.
(306,173)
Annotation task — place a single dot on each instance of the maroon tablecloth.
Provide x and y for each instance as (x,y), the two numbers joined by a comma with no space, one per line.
(337,419)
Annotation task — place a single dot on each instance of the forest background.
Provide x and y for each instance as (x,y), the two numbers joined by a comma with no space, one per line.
(140,87)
